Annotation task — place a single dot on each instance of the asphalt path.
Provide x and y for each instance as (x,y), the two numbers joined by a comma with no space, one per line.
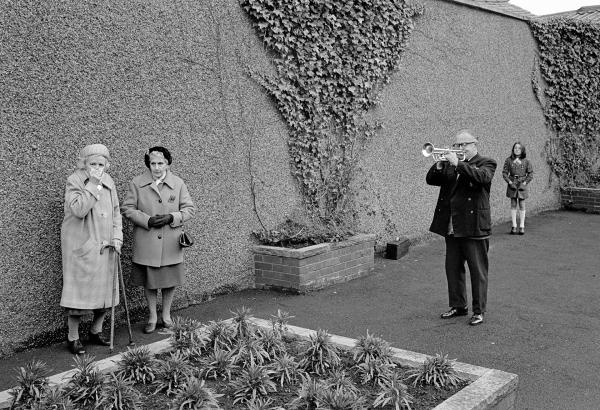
(543,319)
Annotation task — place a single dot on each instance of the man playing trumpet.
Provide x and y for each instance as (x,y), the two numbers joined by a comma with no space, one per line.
(462,216)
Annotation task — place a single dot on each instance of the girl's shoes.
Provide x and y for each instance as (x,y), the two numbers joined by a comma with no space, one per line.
(513,230)
(521,231)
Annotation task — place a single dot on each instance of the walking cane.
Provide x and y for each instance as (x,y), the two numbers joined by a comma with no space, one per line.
(116,272)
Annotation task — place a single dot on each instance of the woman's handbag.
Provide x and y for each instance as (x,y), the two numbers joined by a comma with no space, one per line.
(185,240)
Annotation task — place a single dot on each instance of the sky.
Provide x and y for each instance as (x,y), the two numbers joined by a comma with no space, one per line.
(541,7)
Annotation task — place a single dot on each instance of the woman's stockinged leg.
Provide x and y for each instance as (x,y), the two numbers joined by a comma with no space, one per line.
(151,299)
(73,325)
(97,322)
(167,301)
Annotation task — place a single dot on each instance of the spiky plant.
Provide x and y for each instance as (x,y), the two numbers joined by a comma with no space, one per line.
(241,323)
(341,399)
(220,364)
(286,370)
(374,372)
(254,381)
(319,354)
(194,395)
(186,333)
(55,398)
(261,403)
(119,394)
(280,321)
(220,334)
(86,384)
(172,373)
(437,371)
(250,351)
(371,347)
(32,380)
(272,342)
(338,379)
(138,365)
(393,392)
(309,394)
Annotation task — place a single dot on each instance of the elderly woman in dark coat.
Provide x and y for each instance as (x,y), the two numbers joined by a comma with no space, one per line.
(517,173)
(158,203)
(92,220)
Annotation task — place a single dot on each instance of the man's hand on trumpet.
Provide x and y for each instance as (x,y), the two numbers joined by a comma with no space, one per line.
(451,157)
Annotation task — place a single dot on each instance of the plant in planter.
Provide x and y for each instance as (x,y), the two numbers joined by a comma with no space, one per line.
(85,385)
(194,395)
(32,382)
(138,365)
(119,394)
(172,373)
(437,371)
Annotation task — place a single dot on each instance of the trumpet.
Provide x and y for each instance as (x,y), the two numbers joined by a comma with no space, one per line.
(439,154)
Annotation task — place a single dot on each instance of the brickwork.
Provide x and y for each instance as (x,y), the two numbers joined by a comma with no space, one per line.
(313,267)
(583,199)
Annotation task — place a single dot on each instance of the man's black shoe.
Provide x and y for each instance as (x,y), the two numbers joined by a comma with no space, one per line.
(453,312)
(476,319)
(98,339)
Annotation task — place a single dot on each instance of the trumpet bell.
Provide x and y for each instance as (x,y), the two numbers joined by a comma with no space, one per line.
(439,154)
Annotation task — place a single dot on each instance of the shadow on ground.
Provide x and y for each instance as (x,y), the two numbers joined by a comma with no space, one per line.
(543,320)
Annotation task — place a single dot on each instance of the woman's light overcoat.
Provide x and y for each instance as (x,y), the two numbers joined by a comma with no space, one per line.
(157,247)
(91,220)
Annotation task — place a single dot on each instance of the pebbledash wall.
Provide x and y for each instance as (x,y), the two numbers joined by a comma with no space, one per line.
(132,74)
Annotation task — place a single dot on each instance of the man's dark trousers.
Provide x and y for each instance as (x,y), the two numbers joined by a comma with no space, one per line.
(475,253)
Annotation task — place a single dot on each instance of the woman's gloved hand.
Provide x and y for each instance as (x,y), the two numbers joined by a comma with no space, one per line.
(158,221)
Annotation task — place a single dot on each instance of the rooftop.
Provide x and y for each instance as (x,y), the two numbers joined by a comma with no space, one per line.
(498,6)
(589,14)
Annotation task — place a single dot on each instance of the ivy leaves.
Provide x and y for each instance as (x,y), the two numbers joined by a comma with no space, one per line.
(569,53)
(332,58)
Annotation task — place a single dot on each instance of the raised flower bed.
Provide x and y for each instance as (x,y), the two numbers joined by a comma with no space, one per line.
(313,267)
(488,389)
(581,199)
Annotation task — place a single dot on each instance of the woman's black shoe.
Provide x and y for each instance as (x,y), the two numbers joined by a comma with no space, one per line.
(521,231)
(513,230)
(98,339)
(75,347)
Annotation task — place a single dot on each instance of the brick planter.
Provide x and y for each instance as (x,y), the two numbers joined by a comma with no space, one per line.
(582,199)
(313,267)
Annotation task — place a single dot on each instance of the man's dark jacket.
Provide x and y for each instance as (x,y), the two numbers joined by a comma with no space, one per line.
(466,198)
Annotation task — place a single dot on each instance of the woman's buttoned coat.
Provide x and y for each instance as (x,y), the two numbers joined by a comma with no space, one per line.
(92,219)
(157,247)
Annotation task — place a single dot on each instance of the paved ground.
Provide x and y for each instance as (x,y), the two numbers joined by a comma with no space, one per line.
(543,320)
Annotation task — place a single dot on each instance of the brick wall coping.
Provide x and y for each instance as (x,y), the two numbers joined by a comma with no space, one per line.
(574,188)
(489,388)
(312,250)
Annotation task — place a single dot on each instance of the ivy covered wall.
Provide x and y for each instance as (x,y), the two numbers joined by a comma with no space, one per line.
(569,64)
(132,74)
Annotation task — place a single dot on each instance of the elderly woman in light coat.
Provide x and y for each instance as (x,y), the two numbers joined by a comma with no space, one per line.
(91,221)
(158,203)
